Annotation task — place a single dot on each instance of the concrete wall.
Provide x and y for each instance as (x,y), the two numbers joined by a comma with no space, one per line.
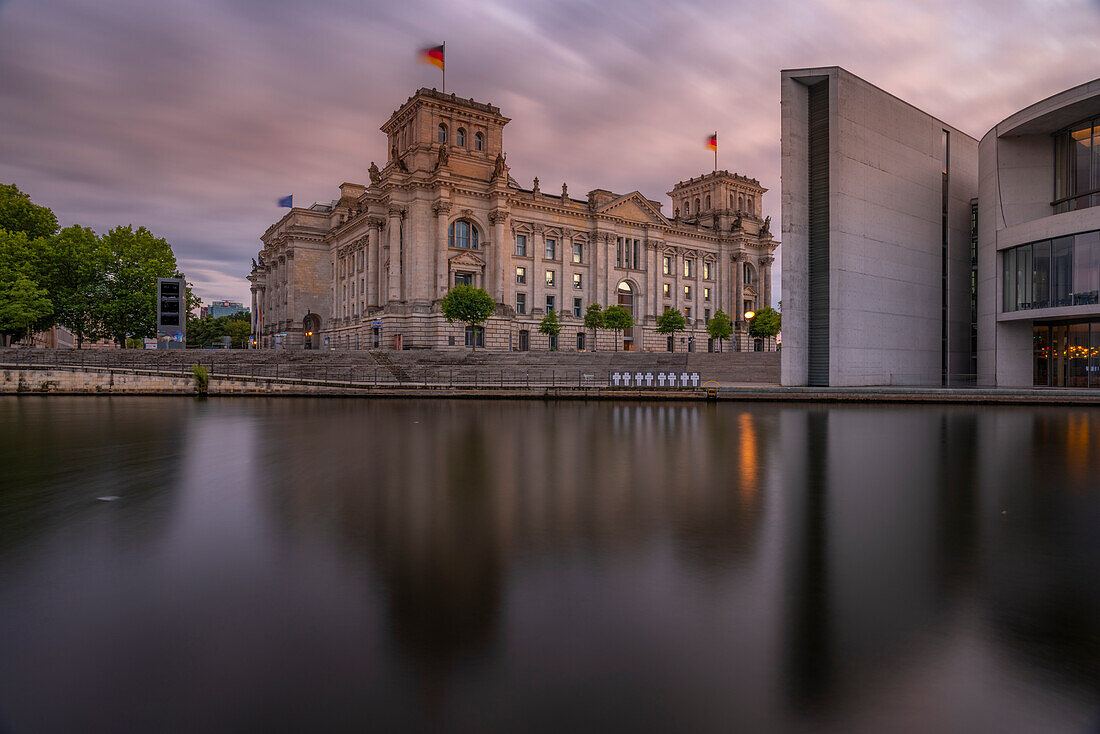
(885,241)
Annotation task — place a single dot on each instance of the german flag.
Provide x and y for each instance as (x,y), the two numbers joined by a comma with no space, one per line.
(433,56)
(712,142)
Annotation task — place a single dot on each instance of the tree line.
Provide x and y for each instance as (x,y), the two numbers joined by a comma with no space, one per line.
(473,306)
(97,286)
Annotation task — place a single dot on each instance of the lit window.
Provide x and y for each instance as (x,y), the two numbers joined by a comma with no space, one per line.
(462,234)
(687,313)
(578,252)
(668,290)
(577,281)
(479,141)
(521,275)
(687,268)
(460,138)
(706,271)
(667,265)
(706,294)
(687,292)
(549,277)
(441,133)
(521,245)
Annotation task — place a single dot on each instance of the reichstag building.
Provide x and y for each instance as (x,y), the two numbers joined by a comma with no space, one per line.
(367,270)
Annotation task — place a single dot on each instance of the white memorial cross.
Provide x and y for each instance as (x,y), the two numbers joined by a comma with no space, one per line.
(649,379)
(683,379)
(695,379)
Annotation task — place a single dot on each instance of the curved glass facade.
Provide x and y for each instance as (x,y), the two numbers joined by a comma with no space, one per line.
(1067,354)
(1077,167)
(1064,271)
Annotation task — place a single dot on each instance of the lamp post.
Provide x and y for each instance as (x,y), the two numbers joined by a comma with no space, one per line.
(749,316)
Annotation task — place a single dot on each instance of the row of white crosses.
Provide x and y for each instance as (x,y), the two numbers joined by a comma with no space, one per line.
(646,379)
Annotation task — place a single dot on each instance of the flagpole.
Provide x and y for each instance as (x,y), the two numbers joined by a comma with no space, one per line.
(444,67)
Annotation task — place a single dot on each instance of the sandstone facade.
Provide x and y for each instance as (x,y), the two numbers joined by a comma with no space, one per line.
(369,268)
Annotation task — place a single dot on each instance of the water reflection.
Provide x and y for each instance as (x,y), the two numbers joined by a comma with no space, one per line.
(499,566)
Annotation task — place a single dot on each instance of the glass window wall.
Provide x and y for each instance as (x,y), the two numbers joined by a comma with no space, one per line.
(1052,273)
(1067,354)
(1077,167)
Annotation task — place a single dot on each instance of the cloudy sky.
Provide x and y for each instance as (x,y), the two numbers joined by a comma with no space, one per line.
(192,118)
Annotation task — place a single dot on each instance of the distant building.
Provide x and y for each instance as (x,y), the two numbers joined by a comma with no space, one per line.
(369,269)
(217,309)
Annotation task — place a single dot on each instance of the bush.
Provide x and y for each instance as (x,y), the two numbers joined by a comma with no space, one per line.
(202,378)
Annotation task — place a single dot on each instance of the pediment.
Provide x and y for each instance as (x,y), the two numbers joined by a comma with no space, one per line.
(467,260)
(749,291)
(633,207)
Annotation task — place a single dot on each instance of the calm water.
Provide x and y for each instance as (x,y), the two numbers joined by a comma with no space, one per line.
(354,565)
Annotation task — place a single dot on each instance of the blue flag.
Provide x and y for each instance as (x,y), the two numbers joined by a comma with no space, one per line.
(287,201)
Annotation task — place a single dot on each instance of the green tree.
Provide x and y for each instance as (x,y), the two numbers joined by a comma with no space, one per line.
(134,260)
(24,308)
(19,214)
(720,327)
(670,322)
(23,259)
(77,281)
(551,326)
(766,323)
(472,306)
(593,319)
(617,319)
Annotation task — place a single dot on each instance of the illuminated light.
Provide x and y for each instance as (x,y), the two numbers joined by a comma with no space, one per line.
(750,315)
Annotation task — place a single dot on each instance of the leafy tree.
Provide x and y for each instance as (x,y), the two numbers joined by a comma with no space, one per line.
(19,214)
(134,261)
(24,308)
(551,326)
(720,327)
(766,323)
(205,331)
(593,319)
(670,322)
(617,319)
(78,281)
(472,306)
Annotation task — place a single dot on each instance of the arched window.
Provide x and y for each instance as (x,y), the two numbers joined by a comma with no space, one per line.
(479,141)
(708,202)
(748,274)
(460,137)
(731,201)
(687,207)
(441,135)
(463,234)
(697,205)
(749,206)
(740,203)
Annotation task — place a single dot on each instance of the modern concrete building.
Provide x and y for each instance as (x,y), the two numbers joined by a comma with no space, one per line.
(876,209)
(217,309)
(369,269)
(1039,244)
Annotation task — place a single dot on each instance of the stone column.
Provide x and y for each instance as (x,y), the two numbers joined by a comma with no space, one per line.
(738,287)
(442,211)
(501,255)
(538,285)
(373,260)
(677,287)
(565,308)
(766,277)
(653,279)
(396,214)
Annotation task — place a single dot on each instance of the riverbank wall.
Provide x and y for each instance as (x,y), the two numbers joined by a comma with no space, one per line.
(74,380)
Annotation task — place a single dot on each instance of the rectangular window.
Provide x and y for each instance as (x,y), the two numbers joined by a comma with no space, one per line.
(687,267)
(667,290)
(577,308)
(549,304)
(1086,273)
(577,284)
(549,277)
(706,271)
(521,275)
(637,254)
(521,245)
(464,278)
(687,313)
(551,249)
(687,292)
(1061,271)
(578,252)
(521,303)
(706,294)
(666,265)
(580,341)
(706,314)
(1008,281)
(1040,275)
(618,252)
